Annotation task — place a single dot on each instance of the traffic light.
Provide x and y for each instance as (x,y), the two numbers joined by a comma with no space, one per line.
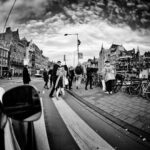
(79,42)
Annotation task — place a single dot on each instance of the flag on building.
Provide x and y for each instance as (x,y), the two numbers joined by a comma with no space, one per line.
(79,42)
(64,57)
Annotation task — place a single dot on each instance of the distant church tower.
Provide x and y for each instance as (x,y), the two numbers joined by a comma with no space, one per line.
(101,59)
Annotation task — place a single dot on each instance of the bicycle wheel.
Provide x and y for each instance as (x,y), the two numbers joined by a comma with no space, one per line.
(147,94)
(134,89)
(117,87)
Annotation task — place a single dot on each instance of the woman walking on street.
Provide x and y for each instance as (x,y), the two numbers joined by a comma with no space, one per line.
(54,77)
(109,76)
(60,82)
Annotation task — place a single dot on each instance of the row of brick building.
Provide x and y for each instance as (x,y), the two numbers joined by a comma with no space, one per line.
(16,52)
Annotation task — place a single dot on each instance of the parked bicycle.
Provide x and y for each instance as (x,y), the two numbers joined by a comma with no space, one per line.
(96,80)
(121,83)
(140,88)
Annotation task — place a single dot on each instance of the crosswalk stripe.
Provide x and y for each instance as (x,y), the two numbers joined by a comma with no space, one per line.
(83,134)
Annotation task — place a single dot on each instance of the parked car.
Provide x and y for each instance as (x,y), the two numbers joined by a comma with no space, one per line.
(22,119)
(39,73)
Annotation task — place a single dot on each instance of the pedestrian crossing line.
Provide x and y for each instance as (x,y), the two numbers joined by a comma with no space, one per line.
(83,134)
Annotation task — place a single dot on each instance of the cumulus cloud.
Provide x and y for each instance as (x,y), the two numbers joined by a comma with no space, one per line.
(46,24)
(92,36)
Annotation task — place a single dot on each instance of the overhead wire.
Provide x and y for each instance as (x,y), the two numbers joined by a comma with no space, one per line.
(9,15)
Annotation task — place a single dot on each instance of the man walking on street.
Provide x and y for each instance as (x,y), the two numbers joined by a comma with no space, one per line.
(89,75)
(54,77)
(71,77)
(46,78)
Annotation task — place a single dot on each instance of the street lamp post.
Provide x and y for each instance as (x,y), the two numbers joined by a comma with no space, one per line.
(78,43)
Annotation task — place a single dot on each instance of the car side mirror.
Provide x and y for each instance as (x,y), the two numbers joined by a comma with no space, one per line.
(22,103)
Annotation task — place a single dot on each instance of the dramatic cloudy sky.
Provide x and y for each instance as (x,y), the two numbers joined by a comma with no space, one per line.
(46,23)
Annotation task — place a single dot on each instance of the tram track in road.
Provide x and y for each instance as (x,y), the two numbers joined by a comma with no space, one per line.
(58,132)
(136,134)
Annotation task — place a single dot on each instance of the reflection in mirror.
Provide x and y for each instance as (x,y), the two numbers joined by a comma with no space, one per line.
(3,117)
(22,103)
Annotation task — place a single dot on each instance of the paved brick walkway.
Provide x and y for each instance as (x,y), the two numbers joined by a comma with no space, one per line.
(131,109)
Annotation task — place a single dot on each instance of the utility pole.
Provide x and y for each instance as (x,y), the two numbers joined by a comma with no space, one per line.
(78,43)
(65,59)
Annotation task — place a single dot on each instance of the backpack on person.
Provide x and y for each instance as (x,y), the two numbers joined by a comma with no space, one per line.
(79,70)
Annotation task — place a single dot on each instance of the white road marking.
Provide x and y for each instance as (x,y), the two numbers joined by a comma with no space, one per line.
(83,134)
(40,132)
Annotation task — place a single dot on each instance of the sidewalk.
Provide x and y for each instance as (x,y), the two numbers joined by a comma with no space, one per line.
(18,79)
(131,109)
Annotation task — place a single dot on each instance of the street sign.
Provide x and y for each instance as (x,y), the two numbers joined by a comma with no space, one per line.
(80,55)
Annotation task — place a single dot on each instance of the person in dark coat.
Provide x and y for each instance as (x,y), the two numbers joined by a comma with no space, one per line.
(26,75)
(54,77)
(89,76)
(46,78)
(10,74)
(71,77)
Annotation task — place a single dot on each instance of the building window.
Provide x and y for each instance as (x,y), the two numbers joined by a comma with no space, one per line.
(0,52)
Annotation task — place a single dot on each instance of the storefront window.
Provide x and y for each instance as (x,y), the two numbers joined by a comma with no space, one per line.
(7,55)
(2,53)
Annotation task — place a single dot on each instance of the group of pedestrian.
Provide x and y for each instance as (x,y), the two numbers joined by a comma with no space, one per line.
(84,74)
(61,77)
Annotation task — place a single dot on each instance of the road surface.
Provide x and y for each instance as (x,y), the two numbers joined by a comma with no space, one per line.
(71,125)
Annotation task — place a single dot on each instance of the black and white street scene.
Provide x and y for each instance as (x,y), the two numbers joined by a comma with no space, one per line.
(74,75)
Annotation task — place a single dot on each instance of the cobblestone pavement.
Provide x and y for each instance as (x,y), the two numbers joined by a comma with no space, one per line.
(131,109)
